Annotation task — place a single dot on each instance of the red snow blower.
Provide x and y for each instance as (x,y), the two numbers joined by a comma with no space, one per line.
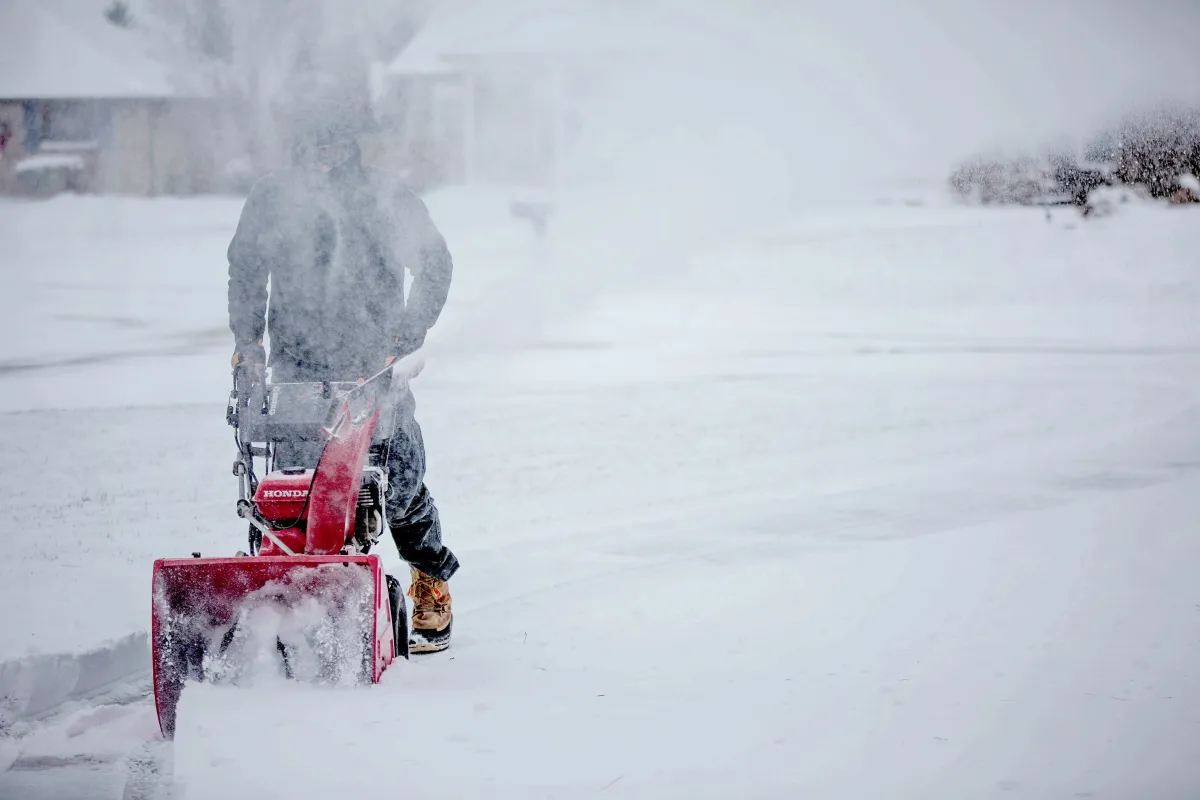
(308,595)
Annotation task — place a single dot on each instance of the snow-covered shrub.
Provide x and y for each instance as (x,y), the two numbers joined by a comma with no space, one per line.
(1155,154)
(1154,150)
(1023,180)
(1076,180)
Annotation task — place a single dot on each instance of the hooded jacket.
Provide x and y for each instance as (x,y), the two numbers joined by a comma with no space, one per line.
(335,247)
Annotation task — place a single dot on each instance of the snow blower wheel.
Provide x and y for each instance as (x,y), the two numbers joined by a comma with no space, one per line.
(399,616)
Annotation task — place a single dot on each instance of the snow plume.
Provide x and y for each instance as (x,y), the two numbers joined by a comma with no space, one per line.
(827,96)
(323,625)
(673,126)
(316,624)
(261,58)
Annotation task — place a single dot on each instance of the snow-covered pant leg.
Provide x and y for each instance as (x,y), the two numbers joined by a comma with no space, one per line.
(412,513)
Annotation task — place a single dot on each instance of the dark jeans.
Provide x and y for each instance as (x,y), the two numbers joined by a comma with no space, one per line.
(411,513)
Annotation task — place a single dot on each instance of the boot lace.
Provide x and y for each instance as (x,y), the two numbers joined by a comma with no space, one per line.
(426,595)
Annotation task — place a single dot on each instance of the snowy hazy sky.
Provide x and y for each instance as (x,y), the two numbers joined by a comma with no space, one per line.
(908,85)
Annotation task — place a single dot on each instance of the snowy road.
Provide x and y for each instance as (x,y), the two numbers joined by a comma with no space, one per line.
(895,504)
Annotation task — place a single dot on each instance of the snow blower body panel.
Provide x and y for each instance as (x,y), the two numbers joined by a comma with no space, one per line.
(310,529)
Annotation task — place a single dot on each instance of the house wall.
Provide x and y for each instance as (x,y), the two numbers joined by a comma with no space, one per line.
(138,147)
(124,164)
(185,147)
(156,147)
(503,120)
(481,125)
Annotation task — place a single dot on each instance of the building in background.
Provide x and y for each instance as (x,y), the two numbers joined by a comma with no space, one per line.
(496,92)
(84,108)
(547,94)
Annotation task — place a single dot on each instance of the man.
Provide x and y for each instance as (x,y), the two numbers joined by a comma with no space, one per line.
(334,237)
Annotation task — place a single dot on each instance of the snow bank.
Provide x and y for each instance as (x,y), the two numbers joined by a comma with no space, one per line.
(33,685)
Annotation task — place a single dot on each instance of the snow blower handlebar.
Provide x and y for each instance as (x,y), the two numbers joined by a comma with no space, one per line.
(263,414)
(262,411)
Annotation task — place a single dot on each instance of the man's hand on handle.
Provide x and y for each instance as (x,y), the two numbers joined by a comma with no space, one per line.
(409,365)
(252,358)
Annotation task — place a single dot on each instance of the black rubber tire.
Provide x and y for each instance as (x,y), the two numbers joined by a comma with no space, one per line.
(399,616)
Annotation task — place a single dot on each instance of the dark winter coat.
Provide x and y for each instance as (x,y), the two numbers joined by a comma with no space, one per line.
(335,247)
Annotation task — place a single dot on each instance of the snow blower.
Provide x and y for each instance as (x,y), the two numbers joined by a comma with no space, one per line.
(308,595)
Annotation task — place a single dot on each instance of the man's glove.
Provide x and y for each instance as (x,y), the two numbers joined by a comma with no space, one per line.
(408,341)
(253,357)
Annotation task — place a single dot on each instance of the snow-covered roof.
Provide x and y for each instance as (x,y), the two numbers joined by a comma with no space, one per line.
(471,29)
(66,49)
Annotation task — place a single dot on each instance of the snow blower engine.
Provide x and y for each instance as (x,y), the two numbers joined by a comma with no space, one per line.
(307,591)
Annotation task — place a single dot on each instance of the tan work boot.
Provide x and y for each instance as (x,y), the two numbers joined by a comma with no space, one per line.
(431,615)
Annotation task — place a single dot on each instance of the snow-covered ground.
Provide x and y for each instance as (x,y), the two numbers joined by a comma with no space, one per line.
(887,500)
